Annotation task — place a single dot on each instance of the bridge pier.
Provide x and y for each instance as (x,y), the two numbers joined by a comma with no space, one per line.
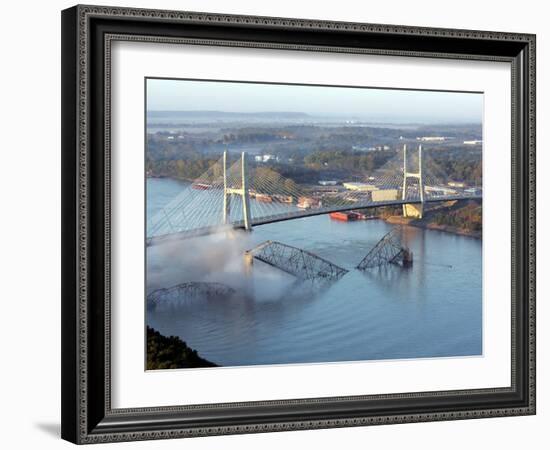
(248,262)
(411,209)
(407,258)
(226,197)
(242,191)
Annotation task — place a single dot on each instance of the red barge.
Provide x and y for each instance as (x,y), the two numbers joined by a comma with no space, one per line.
(345,216)
(201,186)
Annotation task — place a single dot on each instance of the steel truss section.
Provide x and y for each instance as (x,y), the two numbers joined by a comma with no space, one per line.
(297,262)
(173,296)
(387,250)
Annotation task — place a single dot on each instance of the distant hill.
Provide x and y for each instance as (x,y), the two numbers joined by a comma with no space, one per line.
(227,115)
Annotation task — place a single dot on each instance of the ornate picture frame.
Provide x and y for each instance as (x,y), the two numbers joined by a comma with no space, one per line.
(88,33)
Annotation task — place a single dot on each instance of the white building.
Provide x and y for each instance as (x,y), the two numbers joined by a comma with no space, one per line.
(457,184)
(356,186)
(440,190)
(265,158)
(432,138)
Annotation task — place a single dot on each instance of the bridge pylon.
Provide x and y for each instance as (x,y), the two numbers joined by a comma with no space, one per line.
(242,191)
(411,209)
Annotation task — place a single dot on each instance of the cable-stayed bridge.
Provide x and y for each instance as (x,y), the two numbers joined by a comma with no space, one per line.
(233,194)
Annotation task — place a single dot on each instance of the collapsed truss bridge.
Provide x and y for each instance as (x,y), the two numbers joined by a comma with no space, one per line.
(300,263)
(388,250)
(174,296)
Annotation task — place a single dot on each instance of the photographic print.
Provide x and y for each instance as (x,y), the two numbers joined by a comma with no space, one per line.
(335,219)
(300,224)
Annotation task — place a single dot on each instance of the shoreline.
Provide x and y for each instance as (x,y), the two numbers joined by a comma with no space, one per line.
(422,223)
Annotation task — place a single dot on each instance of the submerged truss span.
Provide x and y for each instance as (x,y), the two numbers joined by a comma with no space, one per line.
(175,296)
(300,263)
(388,250)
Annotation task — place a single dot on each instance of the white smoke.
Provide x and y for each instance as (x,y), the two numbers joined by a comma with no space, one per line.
(215,258)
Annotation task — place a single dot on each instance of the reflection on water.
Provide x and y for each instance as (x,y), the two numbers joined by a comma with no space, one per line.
(432,309)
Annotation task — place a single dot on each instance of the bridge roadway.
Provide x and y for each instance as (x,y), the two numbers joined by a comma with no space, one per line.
(187,234)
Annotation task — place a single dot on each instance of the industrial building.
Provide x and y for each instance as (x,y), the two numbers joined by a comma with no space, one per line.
(357,186)
(383,195)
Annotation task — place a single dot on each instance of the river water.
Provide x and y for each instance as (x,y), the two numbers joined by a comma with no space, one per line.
(433,309)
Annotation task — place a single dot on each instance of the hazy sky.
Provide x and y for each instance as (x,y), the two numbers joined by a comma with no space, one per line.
(386,105)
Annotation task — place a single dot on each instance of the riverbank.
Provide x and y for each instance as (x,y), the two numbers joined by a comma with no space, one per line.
(443,218)
(421,223)
(171,353)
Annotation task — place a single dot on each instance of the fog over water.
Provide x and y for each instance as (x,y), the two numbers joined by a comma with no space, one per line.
(431,310)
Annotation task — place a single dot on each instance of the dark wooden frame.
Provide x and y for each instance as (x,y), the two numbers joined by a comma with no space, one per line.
(87,31)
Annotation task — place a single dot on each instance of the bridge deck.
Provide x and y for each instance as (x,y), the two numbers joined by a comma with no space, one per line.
(156,240)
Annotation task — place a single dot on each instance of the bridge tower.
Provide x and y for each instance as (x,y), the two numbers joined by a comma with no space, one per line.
(242,191)
(413,210)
